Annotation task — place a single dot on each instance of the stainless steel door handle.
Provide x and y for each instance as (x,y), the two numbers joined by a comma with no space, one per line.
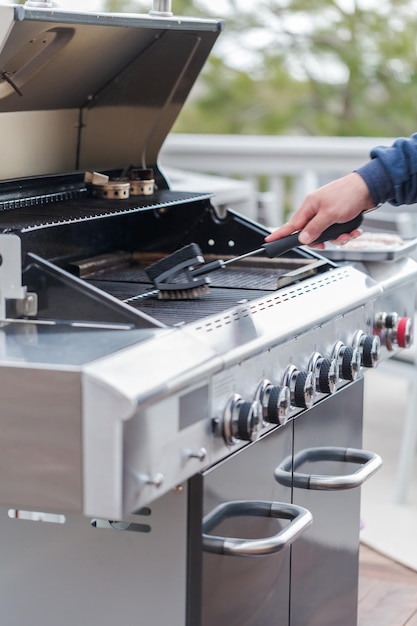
(300,518)
(286,473)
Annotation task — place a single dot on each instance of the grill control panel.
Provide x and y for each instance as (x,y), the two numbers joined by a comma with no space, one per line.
(249,398)
(297,389)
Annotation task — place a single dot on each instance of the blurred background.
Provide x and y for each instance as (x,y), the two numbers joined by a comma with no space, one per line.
(300,67)
(294,94)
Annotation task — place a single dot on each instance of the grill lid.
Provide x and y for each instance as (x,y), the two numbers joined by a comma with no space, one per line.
(81,91)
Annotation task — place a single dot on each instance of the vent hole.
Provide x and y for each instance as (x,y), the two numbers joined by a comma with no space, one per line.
(36,516)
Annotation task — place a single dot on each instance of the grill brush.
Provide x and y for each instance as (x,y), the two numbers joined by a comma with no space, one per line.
(173,275)
(176,279)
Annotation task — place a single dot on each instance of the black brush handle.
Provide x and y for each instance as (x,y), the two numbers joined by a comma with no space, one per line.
(280,246)
(276,248)
(207,268)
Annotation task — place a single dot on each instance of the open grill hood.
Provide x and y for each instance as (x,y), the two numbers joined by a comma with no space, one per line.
(83,91)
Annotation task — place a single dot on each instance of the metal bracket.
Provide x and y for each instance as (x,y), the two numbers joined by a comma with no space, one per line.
(15,301)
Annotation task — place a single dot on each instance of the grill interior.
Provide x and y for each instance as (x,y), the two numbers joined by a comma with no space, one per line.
(108,245)
(244,282)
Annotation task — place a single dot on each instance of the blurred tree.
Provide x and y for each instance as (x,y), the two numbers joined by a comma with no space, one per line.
(319,67)
(358,59)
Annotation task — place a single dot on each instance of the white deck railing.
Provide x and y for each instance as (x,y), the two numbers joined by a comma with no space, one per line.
(278,171)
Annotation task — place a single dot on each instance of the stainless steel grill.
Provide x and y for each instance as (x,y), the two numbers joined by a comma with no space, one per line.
(151,427)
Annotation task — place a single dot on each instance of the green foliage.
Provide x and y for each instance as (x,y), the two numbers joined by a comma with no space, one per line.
(317,67)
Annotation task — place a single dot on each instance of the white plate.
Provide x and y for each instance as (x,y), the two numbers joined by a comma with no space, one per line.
(342,253)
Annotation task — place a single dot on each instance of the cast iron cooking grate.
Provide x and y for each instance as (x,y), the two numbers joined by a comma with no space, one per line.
(176,312)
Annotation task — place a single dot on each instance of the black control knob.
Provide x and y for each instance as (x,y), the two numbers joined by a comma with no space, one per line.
(241,421)
(391,320)
(370,350)
(302,387)
(247,420)
(275,401)
(385,320)
(369,347)
(300,398)
(348,361)
(327,379)
(325,371)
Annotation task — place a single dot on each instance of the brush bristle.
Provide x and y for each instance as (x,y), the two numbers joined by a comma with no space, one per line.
(184,294)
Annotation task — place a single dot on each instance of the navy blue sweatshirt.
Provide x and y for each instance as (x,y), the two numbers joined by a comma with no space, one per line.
(391,174)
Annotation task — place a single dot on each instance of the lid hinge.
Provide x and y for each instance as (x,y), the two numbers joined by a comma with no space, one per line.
(15,300)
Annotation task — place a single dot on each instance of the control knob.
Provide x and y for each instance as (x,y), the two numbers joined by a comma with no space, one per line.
(369,347)
(301,385)
(404,332)
(385,320)
(395,331)
(325,372)
(241,420)
(275,402)
(348,361)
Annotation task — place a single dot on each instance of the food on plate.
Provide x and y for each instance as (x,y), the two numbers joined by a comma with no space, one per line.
(374,241)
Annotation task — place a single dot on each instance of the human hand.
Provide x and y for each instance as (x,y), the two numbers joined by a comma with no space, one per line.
(334,203)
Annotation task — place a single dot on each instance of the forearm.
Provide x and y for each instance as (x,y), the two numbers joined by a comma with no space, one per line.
(391,175)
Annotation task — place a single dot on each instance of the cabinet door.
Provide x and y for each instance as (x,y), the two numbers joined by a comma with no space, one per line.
(247,590)
(324,576)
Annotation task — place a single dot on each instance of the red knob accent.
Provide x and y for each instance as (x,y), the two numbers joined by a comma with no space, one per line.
(404,332)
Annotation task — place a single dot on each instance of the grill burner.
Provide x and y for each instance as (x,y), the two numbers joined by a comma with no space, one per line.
(134,182)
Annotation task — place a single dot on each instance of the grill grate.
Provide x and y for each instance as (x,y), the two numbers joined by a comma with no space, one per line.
(124,277)
(34,213)
(250,278)
(179,312)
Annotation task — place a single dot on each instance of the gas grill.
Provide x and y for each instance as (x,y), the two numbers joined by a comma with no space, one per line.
(160,439)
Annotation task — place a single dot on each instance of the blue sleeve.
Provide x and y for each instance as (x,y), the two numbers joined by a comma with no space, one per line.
(391,174)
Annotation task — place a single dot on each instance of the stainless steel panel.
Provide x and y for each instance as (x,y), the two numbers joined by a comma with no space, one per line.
(290,311)
(324,575)
(250,591)
(73,574)
(40,443)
